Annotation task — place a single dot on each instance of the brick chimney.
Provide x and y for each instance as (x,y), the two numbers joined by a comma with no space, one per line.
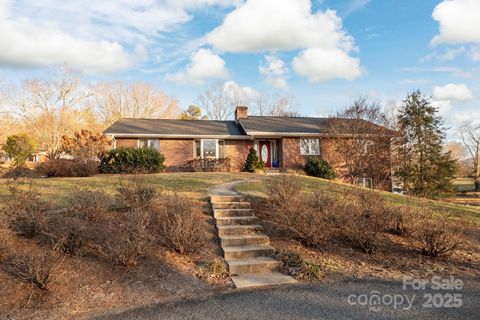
(241,112)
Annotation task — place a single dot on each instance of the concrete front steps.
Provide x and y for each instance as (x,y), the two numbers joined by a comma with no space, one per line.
(245,248)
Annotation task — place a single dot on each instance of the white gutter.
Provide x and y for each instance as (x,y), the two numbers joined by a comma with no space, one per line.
(176,136)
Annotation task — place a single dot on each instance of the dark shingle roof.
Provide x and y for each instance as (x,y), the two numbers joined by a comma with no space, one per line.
(251,126)
(175,127)
(293,125)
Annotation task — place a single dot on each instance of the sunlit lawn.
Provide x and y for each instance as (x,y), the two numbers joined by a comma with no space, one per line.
(194,185)
(464,184)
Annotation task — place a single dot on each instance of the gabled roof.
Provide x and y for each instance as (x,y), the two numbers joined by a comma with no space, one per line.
(173,127)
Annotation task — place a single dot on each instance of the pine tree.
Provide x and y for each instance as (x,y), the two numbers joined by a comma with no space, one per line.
(253,163)
(426,169)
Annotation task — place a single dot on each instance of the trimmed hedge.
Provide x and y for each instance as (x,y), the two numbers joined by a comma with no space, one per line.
(320,168)
(132,160)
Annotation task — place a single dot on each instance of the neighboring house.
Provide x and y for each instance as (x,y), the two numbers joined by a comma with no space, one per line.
(37,157)
(282,142)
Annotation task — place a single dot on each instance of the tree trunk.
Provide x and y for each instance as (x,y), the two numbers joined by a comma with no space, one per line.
(477,184)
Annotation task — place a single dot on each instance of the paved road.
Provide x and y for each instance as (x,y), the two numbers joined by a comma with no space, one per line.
(326,300)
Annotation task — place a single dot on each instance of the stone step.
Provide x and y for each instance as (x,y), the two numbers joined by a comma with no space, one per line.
(219,213)
(250,280)
(231,205)
(228,199)
(236,221)
(239,230)
(242,252)
(244,240)
(252,265)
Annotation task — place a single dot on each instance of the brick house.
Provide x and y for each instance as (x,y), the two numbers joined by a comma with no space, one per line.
(283,143)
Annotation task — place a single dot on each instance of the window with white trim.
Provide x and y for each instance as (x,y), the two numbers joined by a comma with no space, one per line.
(310,147)
(367,146)
(149,143)
(209,148)
(364,182)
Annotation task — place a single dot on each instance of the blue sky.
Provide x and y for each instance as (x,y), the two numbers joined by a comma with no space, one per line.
(323,53)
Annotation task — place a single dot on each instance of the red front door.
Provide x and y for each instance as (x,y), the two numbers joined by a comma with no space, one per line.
(265,153)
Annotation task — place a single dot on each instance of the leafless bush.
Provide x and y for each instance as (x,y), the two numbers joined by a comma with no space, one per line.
(400,220)
(126,239)
(67,234)
(215,269)
(26,211)
(67,168)
(437,236)
(89,205)
(306,216)
(178,228)
(135,193)
(363,217)
(36,269)
(295,265)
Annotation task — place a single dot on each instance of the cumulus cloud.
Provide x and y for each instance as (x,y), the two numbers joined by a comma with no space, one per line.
(475,53)
(26,44)
(239,95)
(96,36)
(320,64)
(204,65)
(458,20)
(452,91)
(252,27)
(273,69)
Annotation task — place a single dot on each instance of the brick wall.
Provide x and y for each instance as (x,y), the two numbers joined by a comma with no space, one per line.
(128,143)
(176,152)
(291,159)
(237,151)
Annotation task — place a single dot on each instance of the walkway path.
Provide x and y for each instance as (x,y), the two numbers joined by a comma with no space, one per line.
(245,248)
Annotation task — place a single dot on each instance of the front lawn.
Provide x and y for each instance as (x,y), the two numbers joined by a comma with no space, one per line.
(468,214)
(194,185)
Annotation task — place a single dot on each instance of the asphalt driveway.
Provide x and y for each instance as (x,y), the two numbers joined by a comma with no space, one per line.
(333,299)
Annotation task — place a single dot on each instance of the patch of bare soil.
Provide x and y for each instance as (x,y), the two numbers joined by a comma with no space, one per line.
(84,286)
(394,258)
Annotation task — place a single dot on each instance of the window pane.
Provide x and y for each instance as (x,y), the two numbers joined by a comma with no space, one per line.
(221,149)
(315,146)
(154,144)
(209,147)
(143,143)
(197,149)
(304,146)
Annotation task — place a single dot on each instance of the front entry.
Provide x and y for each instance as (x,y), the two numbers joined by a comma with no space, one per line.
(265,153)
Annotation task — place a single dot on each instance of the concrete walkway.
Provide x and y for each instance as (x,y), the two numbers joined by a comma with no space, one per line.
(245,248)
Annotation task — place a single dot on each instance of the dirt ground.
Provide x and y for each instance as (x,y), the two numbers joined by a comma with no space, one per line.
(84,286)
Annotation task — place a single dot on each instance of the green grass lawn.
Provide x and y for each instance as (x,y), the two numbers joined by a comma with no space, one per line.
(194,185)
(465,213)
(464,184)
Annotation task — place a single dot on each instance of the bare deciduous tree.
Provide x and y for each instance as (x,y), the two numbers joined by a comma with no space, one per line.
(362,141)
(50,109)
(275,105)
(470,133)
(117,100)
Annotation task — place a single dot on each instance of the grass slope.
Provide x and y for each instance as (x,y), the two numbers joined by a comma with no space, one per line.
(194,185)
(468,214)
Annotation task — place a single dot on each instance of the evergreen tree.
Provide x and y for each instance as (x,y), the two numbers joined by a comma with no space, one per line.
(426,169)
(192,113)
(20,148)
(253,162)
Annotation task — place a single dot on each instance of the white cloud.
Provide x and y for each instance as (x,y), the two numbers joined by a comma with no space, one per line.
(26,44)
(355,5)
(459,21)
(96,36)
(252,27)
(274,70)
(204,65)
(443,106)
(239,95)
(475,53)
(452,91)
(325,64)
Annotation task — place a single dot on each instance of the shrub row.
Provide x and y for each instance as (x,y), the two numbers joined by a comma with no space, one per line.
(132,160)
(145,218)
(361,217)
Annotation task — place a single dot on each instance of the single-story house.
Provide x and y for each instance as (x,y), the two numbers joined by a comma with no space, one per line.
(283,143)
